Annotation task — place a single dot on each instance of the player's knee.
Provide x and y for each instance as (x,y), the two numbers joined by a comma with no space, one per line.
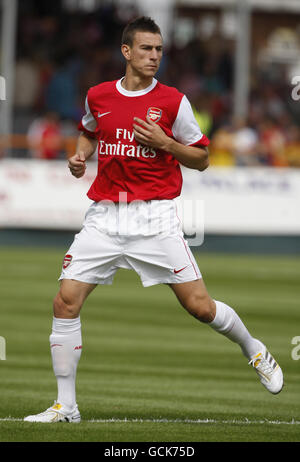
(201,307)
(65,307)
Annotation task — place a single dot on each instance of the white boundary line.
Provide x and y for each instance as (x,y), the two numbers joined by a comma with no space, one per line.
(181,421)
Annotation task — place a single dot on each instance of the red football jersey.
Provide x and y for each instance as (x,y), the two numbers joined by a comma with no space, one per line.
(124,166)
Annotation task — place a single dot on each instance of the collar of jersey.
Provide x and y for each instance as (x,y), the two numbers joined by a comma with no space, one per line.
(142,92)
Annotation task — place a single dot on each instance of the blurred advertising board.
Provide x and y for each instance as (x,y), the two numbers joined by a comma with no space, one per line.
(260,201)
(247,200)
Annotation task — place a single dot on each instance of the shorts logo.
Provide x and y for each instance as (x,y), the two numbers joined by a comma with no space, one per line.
(67,261)
(154,114)
(179,271)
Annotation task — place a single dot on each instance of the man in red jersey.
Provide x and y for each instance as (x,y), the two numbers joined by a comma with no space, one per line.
(143,131)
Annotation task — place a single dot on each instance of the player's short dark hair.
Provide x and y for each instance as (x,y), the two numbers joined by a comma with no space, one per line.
(141,24)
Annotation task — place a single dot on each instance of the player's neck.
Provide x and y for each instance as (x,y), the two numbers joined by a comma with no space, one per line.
(136,82)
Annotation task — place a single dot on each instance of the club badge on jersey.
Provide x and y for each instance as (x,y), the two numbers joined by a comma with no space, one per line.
(154,114)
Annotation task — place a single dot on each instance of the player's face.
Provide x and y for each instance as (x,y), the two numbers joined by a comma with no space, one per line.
(145,55)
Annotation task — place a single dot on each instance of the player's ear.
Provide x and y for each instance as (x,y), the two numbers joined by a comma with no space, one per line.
(126,51)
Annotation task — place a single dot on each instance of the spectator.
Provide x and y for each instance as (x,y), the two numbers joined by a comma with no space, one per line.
(245,144)
(26,92)
(272,143)
(292,147)
(62,92)
(202,108)
(26,84)
(44,137)
(221,148)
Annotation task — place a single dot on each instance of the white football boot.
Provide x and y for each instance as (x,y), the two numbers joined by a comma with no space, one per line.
(268,370)
(56,413)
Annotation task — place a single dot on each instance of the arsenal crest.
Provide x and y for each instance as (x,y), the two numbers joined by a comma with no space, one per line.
(67,261)
(154,114)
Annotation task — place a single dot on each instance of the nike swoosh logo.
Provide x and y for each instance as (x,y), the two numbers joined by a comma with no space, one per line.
(104,113)
(178,271)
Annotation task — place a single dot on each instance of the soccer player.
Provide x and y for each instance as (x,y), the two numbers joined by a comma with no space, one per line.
(143,131)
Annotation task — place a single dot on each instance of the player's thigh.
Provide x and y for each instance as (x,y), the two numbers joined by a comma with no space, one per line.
(70,298)
(194,297)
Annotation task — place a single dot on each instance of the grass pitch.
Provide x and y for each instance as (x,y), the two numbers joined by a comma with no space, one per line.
(149,371)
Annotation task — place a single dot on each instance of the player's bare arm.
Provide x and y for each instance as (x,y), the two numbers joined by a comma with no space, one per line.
(86,147)
(151,134)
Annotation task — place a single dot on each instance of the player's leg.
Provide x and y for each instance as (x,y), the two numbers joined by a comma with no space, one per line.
(91,260)
(70,298)
(168,259)
(66,346)
(165,258)
(194,297)
(66,339)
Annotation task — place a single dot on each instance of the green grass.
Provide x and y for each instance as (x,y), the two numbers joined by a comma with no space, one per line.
(145,358)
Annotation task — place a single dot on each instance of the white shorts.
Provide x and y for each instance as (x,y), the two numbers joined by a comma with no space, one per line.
(159,254)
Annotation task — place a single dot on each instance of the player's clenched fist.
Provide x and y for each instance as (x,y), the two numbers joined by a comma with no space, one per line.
(77,165)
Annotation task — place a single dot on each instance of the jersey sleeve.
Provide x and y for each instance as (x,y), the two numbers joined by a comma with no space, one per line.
(186,129)
(88,123)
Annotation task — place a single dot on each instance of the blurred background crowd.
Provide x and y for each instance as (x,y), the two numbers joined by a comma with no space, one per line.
(62,52)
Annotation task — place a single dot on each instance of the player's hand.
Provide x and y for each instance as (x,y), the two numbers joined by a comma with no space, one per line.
(77,165)
(149,133)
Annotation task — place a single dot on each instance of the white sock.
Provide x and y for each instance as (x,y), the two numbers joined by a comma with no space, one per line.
(228,323)
(66,345)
